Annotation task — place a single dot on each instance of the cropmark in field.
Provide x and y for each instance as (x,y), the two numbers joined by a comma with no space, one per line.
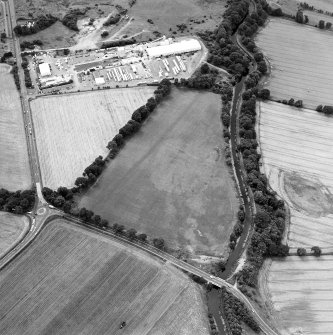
(301,61)
(14,163)
(85,283)
(297,159)
(171,179)
(72,130)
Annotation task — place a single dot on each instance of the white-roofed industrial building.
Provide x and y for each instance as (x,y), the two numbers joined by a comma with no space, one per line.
(174,48)
(44,69)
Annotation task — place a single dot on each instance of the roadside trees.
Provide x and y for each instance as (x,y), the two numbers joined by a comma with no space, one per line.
(301,252)
(316,251)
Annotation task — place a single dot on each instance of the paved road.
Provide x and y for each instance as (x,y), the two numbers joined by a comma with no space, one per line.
(46,215)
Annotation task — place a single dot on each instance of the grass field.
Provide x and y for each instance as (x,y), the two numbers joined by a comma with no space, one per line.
(11,228)
(297,158)
(301,291)
(168,14)
(72,130)
(83,283)
(291,6)
(300,57)
(14,162)
(56,36)
(171,180)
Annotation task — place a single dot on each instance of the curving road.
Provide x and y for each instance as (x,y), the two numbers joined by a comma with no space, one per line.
(42,214)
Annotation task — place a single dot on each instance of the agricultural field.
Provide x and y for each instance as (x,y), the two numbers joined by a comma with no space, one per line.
(301,291)
(171,179)
(14,162)
(315,17)
(300,57)
(291,6)
(297,159)
(85,283)
(73,129)
(12,227)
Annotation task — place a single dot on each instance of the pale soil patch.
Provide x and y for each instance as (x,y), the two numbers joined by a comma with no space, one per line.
(301,61)
(72,130)
(301,290)
(14,162)
(85,283)
(11,229)
(297,159)
(171,180)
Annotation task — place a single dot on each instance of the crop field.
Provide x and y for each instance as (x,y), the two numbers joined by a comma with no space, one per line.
(11,228)
(301,291)
(72,130)
(171,180)
(301,62)
(84,283)
(14,162)
(297,159)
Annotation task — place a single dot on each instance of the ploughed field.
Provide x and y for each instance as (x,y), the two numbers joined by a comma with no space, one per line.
(85,283)
(11,229)
(72,130)
(14,162)
(297,159)
(301,60)
(170,180)
(301,291)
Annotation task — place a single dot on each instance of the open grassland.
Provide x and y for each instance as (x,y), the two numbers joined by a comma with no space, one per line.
(291,6)
(301,61)
(83,283)
(301,291)
(11,229)
(171,180)
(72,130)
(14,161)
(297,159)
(167,15)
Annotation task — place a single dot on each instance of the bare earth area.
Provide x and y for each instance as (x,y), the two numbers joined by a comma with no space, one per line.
(72,130)
(14,162)
(87,284)
(297,159)
(301,61)
(11,228)
(171,180)
(301,291)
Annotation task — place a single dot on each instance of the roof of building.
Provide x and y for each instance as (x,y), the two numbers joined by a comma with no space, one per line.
(99,81)
(174,48)
(44,69)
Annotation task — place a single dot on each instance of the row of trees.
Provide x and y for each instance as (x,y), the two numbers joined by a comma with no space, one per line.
(315,250)
(63,199)
(18,202)
(118,43)
(325,109)
(16,76)
(30,45)
(42,22)
(311,7)
(236,313)
(27,78)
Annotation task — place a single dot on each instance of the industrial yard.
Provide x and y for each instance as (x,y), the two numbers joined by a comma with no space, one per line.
(58,71)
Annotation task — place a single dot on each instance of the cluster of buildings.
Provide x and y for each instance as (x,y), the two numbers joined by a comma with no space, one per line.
(46,80)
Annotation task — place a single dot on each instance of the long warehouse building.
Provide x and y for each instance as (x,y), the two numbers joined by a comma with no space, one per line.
(174,48)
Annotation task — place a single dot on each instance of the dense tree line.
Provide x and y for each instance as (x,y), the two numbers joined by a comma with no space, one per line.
(42,22)
(18,202)
(292,102)
(30,45)
(325,109)
(16,76)
(27,78)
(236,313)
(63,199)
(71,18)
(118,43)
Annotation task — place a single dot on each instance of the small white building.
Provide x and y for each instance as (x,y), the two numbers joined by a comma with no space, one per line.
(44,69)
(99,81)
(174,48)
